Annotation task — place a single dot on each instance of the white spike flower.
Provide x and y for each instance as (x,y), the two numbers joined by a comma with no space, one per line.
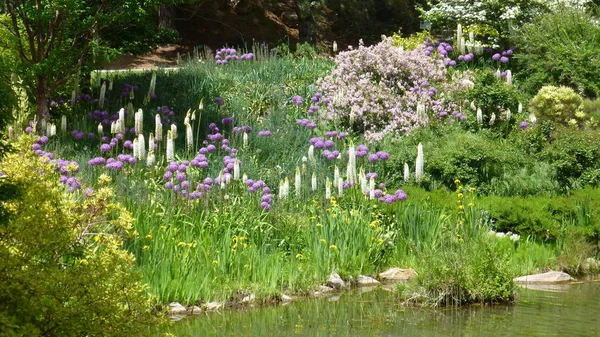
(101,129)
(336,176)
(297,181)
(158,128)
(170,147)
(406,172)
(311,154)
(351,169)
(151,159)
(236,169)
(314,182)
(327,188)
(173,131)
(479,116)
(340,187)
(372,188)
(63,124)
(189,136)
(419,163)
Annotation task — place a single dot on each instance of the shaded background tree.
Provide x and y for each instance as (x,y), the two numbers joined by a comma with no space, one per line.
(55,39)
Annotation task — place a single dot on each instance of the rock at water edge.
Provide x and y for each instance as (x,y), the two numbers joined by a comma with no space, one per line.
(549,277)
(366,281)
(335,281)
(397,274)
(177,309)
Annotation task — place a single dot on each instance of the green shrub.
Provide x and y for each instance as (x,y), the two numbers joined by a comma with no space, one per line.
(64,271)
(561,105)
(575,155)
(411,42)
(559,48)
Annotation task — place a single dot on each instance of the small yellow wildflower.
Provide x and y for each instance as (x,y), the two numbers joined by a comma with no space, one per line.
(319,224)
(146,247)
(457,181)
(333,247)
(149,236)
(471,204)
(460,195)
(83,261)
(299,256)
(180,243)
(246,266)
(104,179)
(380,240)
(215,262)
(323,240)
(96,238)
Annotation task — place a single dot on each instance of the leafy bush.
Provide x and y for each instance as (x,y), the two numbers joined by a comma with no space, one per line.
(575,155)
(411,42)
(560,48)
(64,271)
(377,89)
(561,105)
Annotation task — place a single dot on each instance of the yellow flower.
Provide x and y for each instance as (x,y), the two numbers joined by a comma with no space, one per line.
(380,240)
(460,195)
(461,207)
(215,262)
(471,204)
(472,189)
(299,256)
(323,240)
(104,179)
(246,266)
(333,247)
(181,243)
(149,236)
(96,238)
(457,181)
(146,247)
(163,227)
(83,261)
(319,224)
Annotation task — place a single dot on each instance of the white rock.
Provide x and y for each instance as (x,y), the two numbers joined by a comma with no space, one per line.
(397,274)
(323,290)
(286,298)
(549,277)
(366,281)
(195,310)
(335,281)
(248,298)
(213,306)
(177,309)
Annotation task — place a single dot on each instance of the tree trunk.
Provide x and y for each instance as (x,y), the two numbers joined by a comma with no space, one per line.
(42,97)
(166,16)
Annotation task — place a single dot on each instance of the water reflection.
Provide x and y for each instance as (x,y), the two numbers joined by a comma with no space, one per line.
(575,311)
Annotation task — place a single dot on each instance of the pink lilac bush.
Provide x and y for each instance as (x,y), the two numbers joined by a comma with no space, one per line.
(377,89)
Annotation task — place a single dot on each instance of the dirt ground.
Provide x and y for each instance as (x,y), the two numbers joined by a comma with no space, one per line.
(165,56)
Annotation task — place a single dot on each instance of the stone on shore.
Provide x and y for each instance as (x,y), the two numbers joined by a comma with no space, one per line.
(177,309)
(549,277)
(397,275)
(366,281)
(213,306)
(335,281)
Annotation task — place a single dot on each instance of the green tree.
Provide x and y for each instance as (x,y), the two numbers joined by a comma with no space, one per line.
(63,269)
(54,39)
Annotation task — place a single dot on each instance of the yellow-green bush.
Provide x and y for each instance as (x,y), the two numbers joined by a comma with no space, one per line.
(410,42)
(63,266)
(560,105)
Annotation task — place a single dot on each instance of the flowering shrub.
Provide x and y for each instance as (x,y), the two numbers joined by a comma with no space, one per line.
(382,89)
(558,104)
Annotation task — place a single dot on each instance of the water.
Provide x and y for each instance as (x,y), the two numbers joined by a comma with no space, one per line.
(569,310)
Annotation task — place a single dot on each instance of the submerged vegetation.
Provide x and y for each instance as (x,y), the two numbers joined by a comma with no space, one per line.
(259,174)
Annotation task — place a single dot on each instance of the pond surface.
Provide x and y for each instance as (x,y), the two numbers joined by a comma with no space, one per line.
(567,310)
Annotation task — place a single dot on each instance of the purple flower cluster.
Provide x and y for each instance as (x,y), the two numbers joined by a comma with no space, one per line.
(165,114)
(331,155)
(227,120)
(381,155)
(176,179)
(266,199)
(459,115)
(242,129)
(127,88)
(226,55)
(361,151)
(503,57)
(297,100)
(400,195)
(114,164)
(523,125)
(264,133)
(306,123)
(96,161)
(78,135)
(467,57)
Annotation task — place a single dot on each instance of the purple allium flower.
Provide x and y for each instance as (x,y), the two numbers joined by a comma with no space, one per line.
(128,144)
(182,168)
(115,165)
(382,155)
(172,167)
(96,161)
(265,205)
(203,164)
(219,101)
(227,120)
(328,144)
(266,190)
(43,140)
(77,134)
(382,186)
(378,193)
(496,57)
(342,135)
(180,176)
(208,181)
(264,133)
(373,158)
(168,176)
(105,147)
(463,117)
(504,59)
(88,192)
(297,100)
(169,185)
(452,63)
(185,184)
(36,147)
(346,185)
(371,174)
(63,179)
(523,125)
(319,144)
(331,134)
(400,195)
(203,150)
(176,188)
(211,148)
(28,129)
